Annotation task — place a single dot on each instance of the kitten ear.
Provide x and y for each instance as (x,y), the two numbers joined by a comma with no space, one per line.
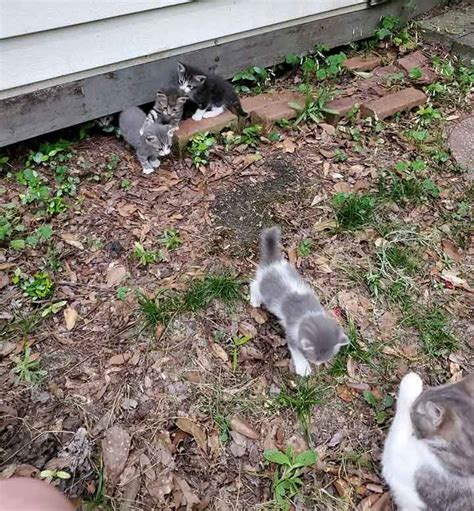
(181,68)
(161,96)
(147,122)
(200,78)
(435,413)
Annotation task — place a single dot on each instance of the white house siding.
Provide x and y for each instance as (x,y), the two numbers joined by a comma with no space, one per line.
(70,39)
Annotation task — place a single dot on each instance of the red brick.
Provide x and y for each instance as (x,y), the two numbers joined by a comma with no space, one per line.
(382,72)
(388,105)
(416,59)
(342,106)
(188,128)
(269,108)
(362,63)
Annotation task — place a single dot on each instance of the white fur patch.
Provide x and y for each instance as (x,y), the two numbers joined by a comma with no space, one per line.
(302,366)
(214,112)
(198,115)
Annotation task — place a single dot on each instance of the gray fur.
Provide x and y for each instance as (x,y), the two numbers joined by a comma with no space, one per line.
(312,335)
(149,139)
(168,107)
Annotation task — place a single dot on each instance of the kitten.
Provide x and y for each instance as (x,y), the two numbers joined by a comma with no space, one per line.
(211,93)
(312,335)
(168,107)
(149,139)
(428,459)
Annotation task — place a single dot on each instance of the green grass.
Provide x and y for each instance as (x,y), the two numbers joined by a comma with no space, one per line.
(433,326)
(353,211)
(27,368)
(305,247)
(198,295)
(171,239)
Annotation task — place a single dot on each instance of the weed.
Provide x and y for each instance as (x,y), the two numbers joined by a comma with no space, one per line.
(434,329)
(38,287)
(353,210)
(48,151)
(284,123)
(125,184)
(199,148)
(395,79)
(427,114)
(54,474)
(171,239)
(112,162)
(250,137)
(143,256)
(379,406)
(340,156)
(330,66)
(159,310)
(254,78)
(393,29)
(27,367)
(439,156)
(223,426)
(42,234)
(305,247)
(314,107)
(202,292)
(237,343)
(54,308)
(287,478)
(36,190)
(301,399)
(56,205)
(415,73)
(274,136)
(408,188)
(99,500)
(122,293)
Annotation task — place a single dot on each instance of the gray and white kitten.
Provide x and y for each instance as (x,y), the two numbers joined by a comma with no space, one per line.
(211,93)
(168,107)
(149,139)
(312,336)
(428,458)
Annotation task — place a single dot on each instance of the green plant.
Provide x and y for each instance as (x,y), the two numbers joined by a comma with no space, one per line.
(427,114)
(439,156)
(125,184)
(379,406)
(223,425)
(417,135)
(143,256)
(36,190)
(53,308)
(304,248)
(171,239)
(38,287)
(27,367)
(287,477)
(254,78)
(329,66)
(56,205)
(314,108)
(237,342)
(274,136)
(415,73)
(122,293)
(394,78)
(112,162)
(301,399)
(353,210)
(48,151)
(340,156)
(249,137)
(199,147)
(392,28)
(54,474)
(159,310)
(406,188)
(42,234)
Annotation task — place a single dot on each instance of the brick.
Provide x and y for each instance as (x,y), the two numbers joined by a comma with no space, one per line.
(268,108)
(382,72)
(415,59)
(342,106)
(386,106)
(188,128)
(362,63)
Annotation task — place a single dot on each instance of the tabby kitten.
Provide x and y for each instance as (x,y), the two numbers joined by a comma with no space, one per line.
(312,335)
(168,107)
(428,459)
(149,139)
(211,93)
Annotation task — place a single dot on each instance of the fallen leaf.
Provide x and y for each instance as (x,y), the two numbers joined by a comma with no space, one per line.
(326,153)
(454,280)
(375,488)
(288,146)
(356,306)
(159,487)
(336,439)
(72,240)
(342,487)
(450,249)
(115,449)
(344,393)
(115,275)
(189,426)
(251,158)
(6,347)
(129,494)
(7,266)
(117,360)
(189,497)
(219,351)
(367,503)
(343,187)
(4,280)
(387,324)
(237,450)
(126,209)
(324,225)
(243,427)
(258,315)
(328,128)
(384,503)
(247,329)
(70,317)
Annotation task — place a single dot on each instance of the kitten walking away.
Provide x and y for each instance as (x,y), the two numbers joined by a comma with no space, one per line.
(312,336)
(211,93)
(149,139)
(428,458)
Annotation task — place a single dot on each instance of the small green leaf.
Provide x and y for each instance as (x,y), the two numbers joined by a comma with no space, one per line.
(63,475)
(44,474)
(17,244)
(305,459)
(370,398)
(278,457)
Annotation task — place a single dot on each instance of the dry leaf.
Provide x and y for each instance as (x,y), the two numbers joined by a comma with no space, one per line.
(115,449)
(189,497)
(159,487)
(451,250)
(72,240)
(70,316)
(343,488)
(344,393)
(258,315)
(387,324)
(288,146)
(237,450)
(6,347)
(243,427)
(323,225)
(4,280)
(117,360)
(115,275)
(326,153)
(247,329)
(454,280)
(328,128)
(219,351)
(384,503)
(356,306)
(193,429)
(343,187)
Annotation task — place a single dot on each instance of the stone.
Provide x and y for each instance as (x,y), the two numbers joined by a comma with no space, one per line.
(386,106)
(461,143)
(341,107)
(188,128)
(362,63)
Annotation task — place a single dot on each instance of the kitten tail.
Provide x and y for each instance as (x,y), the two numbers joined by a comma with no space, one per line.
(270,246)
(236,108)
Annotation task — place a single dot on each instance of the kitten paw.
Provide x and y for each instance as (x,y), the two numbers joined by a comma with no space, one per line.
(155,163)
(148,170)
(197,117)
(302,368)
(411,387)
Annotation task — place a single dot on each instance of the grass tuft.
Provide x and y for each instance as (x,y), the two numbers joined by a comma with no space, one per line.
(353,210)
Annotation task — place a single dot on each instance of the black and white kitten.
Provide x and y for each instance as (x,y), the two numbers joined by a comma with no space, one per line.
(149,139)
(312,336)
(211,93)
(428,458)
(168,107)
